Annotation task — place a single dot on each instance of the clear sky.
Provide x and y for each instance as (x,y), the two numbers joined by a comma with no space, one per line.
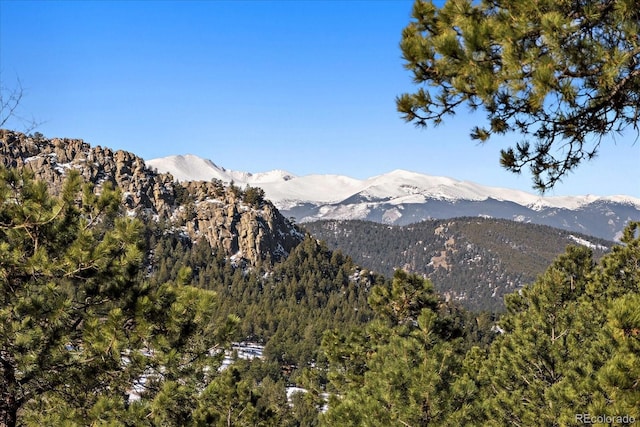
(305,86)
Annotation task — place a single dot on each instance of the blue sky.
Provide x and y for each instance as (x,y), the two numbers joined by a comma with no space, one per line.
(305,86)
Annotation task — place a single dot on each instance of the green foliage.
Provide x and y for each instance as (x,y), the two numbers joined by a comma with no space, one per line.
(235,399)
(104,321)
(182,195)
(398,370)
(569,344)
(405,300)
(80,328)
(474,260)
(253,196)
(532,360)
(286,306)
(562,74)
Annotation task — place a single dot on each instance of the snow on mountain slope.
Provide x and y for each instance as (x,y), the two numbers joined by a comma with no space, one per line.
(188,168)
(193,168)
(280,186)
(396,188)
(312,188)
(400,183)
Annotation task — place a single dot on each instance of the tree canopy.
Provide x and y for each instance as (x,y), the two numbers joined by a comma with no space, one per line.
(567,350)
(84,337)
(561,74)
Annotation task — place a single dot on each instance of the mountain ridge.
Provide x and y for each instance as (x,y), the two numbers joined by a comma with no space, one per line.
(185,168)
(471,260)
(403,197)
(248,228)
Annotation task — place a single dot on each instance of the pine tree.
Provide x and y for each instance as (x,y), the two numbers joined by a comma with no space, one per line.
(399,369)
(569,345)
(81,330)
(615,291)
(562,74)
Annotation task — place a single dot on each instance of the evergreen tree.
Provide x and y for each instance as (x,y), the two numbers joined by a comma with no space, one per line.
(530,365)
(398,370)
(81,332)
(569,345)
(615,291)
(563,74)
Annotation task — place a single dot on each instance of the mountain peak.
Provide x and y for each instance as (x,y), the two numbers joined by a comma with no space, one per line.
(190,167)
(402,197)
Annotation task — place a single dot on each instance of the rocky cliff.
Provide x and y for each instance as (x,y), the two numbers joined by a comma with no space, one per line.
(251,229)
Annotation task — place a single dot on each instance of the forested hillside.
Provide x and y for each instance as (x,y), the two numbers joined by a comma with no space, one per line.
(114,315)
(286,306)
(186,270)
(475,261)
(128,298)
(567,353)
(137,315)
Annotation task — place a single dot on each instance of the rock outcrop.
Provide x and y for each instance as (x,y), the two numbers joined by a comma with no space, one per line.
(253,231)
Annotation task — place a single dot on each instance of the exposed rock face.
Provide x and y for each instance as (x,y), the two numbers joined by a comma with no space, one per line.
(255,232)
(50,159)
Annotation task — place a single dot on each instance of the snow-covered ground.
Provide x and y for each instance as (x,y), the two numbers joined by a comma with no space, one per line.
(587,243)
(249,351)
(243,350)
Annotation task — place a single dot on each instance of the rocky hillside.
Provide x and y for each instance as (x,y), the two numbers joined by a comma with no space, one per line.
(475,261)
(248,228)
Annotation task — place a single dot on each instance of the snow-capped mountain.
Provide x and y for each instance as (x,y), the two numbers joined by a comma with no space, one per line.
(403,197)
(194,168)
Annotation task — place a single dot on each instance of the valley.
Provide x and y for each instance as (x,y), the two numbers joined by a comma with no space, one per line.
(184,272)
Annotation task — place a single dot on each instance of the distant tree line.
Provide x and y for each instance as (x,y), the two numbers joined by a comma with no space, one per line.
(477,259)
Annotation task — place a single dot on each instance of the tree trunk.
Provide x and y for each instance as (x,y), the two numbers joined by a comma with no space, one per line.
(8,410)
(8,403)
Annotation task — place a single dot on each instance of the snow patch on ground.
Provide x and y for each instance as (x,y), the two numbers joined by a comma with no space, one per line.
(587,243)
(243,350)
(391,215)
